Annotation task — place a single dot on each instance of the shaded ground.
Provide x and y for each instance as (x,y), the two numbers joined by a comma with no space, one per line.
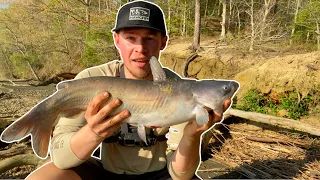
(240,156)
(233,153)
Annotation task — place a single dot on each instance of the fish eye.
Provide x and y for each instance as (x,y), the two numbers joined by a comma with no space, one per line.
(225,87)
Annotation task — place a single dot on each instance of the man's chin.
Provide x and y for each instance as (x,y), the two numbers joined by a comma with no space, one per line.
(141,74)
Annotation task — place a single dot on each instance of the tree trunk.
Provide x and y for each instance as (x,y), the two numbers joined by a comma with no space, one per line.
(196,36)
(169,17)
(318,36)
(295,18)
(205,13)
(33,72)
(223,22)
(252,27)
(99,8)
(268,4)
(230,15)
(6,61)
(219,9)
(239,21)
(183,32)
(87,3)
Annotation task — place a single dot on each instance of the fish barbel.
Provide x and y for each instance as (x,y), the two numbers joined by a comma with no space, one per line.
(162,102)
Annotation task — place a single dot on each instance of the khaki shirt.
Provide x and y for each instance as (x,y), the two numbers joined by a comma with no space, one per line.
(115,157)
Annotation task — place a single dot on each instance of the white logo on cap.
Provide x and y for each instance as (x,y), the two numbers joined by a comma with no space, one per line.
(139,13)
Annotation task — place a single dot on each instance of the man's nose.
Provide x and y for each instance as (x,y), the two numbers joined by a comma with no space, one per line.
(140,47)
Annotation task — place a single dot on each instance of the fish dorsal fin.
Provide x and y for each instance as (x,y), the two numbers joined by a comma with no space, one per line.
(62,85)
(157,71)
(171,74)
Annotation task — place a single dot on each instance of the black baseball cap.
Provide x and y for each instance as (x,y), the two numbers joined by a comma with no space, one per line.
(140,14)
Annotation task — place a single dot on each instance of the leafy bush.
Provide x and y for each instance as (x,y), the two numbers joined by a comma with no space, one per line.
(291,102)
(20,65)
(99,48)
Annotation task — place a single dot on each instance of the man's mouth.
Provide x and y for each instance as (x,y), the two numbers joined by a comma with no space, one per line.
(140,62)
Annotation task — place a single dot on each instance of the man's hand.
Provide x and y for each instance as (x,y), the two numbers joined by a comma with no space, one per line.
(192,129)
(99,125)
(99,120)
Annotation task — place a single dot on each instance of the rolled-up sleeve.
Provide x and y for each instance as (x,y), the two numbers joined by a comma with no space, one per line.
(61,153)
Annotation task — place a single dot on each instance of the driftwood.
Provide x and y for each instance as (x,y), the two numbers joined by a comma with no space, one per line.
(6,121)
(33,72)
(57,78)
(22,149)
(66,75)
(19,160)
(276,121)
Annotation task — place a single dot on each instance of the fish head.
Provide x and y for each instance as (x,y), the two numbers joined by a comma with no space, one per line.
(213,93)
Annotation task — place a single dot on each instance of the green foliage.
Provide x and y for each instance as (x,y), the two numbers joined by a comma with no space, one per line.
(21,67)
(98,49)
(253,101)
(295,107)
(291,102)
(307,18)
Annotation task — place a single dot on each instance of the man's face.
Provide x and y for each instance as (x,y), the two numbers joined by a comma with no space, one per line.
(136,47)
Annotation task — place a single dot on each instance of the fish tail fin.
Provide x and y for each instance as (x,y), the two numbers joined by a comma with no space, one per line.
(31,123)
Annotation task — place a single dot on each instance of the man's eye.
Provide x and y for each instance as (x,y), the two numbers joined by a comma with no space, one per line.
(130,38)
(149,38)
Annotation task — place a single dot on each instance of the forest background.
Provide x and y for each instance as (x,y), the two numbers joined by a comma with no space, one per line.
(272,47)
(41,38)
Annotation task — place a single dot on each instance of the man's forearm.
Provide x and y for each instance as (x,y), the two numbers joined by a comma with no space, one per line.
(187,154)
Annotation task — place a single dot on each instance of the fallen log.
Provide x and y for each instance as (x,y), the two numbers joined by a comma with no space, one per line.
(6,121)
(19,160)
(276,121)
(15,151)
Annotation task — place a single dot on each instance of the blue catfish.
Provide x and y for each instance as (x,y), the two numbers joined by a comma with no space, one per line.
(162,102)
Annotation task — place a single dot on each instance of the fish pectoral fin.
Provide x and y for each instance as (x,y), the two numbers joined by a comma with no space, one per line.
(202,115)
(142,133)
(157,70)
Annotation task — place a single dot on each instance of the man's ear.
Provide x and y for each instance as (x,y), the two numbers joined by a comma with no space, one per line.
(163,42)
(116,39)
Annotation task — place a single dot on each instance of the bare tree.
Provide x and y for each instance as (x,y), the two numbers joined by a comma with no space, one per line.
(223,22)
(184,17)
(196,36)
(253,32)
(298,3)
(268,4)
(318,34)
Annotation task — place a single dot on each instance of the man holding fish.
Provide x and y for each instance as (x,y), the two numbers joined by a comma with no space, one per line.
(139,34)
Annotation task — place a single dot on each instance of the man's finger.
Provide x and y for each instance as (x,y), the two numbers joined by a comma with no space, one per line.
(107,109)
(216,117)
(226,104)
(114,120)
(94,104)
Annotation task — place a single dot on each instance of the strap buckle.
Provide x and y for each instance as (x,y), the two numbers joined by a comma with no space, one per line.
(129,142)
(152,141)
